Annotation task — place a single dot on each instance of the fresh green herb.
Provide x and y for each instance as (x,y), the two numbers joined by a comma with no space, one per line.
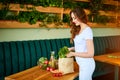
(63,51)
(42,59)
(41,62)
(111,56)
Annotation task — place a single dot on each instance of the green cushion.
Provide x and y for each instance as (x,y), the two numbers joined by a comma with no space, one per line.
(48,48)
(8,57)
(37,49)
(2,72)
(16,56)
(54,46)
(43,48)
(32,53)
(21,57)
(27,56)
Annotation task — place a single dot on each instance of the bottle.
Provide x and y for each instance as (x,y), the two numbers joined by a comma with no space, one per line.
(52,59)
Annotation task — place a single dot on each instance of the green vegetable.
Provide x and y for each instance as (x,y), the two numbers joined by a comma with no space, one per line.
(111,56)
(41,62)
(63,51)
(42,59)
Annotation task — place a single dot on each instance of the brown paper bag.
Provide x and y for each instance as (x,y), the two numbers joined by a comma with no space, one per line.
(66,65)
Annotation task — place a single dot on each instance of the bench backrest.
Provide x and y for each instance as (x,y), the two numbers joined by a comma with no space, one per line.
(16,56)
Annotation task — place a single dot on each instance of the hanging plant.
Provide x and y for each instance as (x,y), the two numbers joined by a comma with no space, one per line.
(69,4)
(46,3)
(84,5)
(94,16)
(95,6)
(66,18)
(107,7)
(50,19)
(31,17)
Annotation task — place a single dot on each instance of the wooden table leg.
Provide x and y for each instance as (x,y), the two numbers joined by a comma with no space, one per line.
(116,73)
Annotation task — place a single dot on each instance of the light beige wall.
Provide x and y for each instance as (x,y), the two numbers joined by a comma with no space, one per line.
(36,34)
(106,31)
(32,34)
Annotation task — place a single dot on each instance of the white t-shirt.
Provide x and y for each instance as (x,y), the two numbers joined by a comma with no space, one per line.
(87,65)
(80,40)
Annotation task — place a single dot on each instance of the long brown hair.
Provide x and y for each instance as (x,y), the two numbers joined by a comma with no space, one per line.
(81,15)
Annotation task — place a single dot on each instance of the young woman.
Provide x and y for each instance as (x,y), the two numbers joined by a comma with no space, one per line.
(82,36)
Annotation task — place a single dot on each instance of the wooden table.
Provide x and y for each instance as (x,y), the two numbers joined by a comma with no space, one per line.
(112,58)
(36,73)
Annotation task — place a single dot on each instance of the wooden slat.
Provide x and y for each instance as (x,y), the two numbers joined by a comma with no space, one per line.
(110,2)
(16,7)
(98,25)
(49,9)
(15,24)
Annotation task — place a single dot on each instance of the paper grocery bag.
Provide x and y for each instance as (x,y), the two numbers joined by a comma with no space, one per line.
(66,65)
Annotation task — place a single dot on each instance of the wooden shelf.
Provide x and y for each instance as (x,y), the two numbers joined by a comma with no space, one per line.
(16,7)
(15,24)
(110,2)
(98,25)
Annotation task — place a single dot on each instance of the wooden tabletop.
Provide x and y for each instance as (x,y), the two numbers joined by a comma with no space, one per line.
(35,73)
(111,58)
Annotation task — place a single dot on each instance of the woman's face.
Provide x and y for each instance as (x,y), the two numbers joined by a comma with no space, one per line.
(75,19)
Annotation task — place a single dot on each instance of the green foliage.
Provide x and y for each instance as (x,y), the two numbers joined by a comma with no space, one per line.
(3,13)
(95,6)
(42,59)
(85,5)
(107,7)
(7,15)
(69,4)
(32,17)
(51,18)
(63,51)
(113,56)
(41,62)
(66,18)
(99,18)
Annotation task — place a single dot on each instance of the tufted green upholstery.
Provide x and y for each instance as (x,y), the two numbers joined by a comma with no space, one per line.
(16,56)
(101,45)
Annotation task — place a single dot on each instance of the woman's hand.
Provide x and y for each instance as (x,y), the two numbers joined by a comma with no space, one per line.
(71,49)
(70,54)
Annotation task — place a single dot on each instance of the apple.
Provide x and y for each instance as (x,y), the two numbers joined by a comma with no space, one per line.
(52,69)
(57,74)
(46,62)
(40,66)
(48,68)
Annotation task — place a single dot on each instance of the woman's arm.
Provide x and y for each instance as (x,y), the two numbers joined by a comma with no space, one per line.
(88,54)
(71,49)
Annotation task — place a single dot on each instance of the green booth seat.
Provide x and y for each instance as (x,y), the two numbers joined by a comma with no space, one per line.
(21,57)
(16,56)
